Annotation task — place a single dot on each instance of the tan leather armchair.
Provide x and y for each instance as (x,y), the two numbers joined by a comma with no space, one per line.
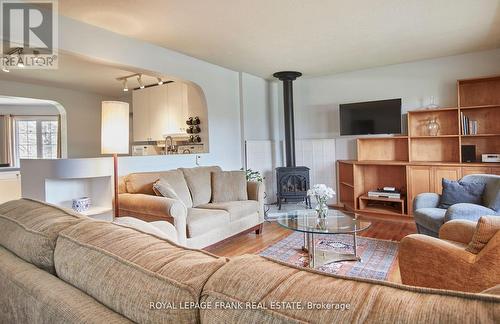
(447,263)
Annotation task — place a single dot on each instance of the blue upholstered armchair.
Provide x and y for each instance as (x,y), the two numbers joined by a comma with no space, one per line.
(429,217)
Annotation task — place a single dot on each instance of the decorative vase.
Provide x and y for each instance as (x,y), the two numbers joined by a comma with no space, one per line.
(432,104)
(433,127)
(321,208)
(321,223)
(81,204)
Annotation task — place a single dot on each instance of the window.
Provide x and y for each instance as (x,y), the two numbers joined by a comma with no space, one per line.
(36,137)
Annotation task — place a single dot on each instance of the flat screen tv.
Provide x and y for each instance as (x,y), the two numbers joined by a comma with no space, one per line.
(371,117)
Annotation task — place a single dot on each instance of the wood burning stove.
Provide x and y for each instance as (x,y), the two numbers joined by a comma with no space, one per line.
(293,183)
(292,180)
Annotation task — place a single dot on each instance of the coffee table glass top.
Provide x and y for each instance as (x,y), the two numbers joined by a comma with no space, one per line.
(337,222)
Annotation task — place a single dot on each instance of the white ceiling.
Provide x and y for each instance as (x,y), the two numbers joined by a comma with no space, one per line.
(78,73)
(316,37)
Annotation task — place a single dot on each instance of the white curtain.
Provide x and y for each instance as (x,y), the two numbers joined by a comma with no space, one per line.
(7,140)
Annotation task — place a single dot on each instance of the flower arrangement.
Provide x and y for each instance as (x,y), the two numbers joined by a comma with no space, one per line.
(321,193)
(253,175)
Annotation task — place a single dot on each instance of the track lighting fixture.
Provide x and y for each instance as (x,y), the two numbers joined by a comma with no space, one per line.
(138,76)
(125,86)
(139,80)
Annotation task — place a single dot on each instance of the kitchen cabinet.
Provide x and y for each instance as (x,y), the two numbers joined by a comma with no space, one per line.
(177,106)
(140,119)
(159,111)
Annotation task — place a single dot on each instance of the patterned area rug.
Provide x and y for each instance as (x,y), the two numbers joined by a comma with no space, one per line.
(377,256)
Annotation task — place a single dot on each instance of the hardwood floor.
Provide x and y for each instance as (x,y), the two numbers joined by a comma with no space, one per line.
(251,243)
(393,230)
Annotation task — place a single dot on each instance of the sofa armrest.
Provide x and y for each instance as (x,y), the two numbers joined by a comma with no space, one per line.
(156,208)
(431,262)
(255,191)
(467,211)
(458,231)
(426,200)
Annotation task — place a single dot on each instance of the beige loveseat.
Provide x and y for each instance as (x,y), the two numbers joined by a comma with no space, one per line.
(199,222)
(60,267)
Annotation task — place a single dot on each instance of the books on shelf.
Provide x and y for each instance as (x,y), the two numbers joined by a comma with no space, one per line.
(469,127)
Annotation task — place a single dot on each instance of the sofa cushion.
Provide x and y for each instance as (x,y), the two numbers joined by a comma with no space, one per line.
(199,183)
(30,228)
(236,209)
(229,186)
(486,228)
(495,290)
(274,287)
(455,192)
(31,295)
(200,221)
(141,182)
(492,195)
(430,218)
(162,188)
(128,270)
(176,184)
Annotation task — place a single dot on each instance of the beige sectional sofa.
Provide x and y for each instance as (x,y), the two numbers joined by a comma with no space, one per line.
(60,267)
(199,221)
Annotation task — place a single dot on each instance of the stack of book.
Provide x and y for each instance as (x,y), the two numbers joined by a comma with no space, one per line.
(469,127)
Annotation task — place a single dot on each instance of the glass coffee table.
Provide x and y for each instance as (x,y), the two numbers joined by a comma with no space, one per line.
(337,222)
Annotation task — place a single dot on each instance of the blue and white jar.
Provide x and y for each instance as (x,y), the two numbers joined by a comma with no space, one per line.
(81,204)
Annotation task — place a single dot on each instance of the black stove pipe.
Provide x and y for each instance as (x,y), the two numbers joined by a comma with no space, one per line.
(288,77)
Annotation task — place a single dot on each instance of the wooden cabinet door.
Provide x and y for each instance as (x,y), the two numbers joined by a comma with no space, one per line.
(140,117)
(159,115)
(440,173)
(420,179)
(475,170)
(495,171)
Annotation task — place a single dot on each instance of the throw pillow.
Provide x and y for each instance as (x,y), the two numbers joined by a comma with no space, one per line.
(163,188)
(495,290)
(487,227)
(229,186)
(455,192)
(492,195)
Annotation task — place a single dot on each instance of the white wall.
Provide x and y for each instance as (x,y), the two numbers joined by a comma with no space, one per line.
(220,85)
(83,113)
(317,99)
(255,107)
(43,110)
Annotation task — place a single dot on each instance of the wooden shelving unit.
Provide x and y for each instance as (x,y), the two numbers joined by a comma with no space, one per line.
(417,162)
(383,148)
(391,206)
